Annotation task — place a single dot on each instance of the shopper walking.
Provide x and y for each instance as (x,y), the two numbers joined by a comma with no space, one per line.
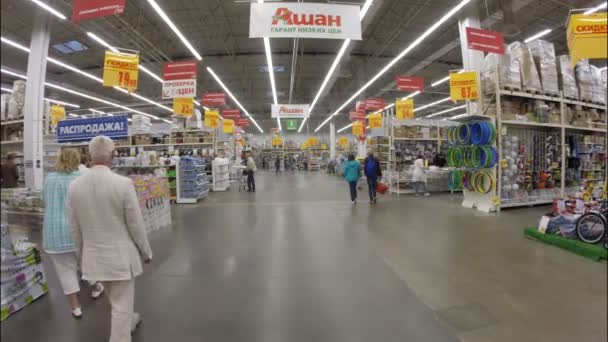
(84,164)
(277,164)
(352,171)
(371,167)
(57,238)
(419,176)
(251,169)
(108,229)
(9,173)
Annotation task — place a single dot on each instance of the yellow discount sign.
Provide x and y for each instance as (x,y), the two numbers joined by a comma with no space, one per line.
(312,141)
(343,141)
(464,86)
(228,125)
(57,114)
(304,146)
(277,141)
(587,36)
(212,118)
(375,120)
(120,70)
(183,106)
(358,128)
(404,109)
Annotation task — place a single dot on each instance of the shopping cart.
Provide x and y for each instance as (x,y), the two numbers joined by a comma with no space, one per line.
(239,176)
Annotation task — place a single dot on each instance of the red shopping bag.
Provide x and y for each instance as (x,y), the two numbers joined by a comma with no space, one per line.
(381,188)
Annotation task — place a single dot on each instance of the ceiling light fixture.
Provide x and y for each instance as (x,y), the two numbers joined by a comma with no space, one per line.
(597,8)
(334,65)
(459,116)
(443,80)
(168,21)
(446,111)
(50,9)
(273,86)
(219,81)
(414,44)
(432,104)
(343,128)
(538,35)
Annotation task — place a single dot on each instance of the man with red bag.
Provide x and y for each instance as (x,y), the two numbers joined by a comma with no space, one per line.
(371,167)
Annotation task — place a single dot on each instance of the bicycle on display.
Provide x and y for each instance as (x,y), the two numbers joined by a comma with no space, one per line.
(591,227)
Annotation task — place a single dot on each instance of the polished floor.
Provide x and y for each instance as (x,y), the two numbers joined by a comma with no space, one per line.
(296,261)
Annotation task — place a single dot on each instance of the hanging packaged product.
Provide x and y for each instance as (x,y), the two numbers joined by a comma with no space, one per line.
(183,106)
(404,109)
(212,118)
(228,126)
(375,120)
(464,86)
(57,114)
(121,70)
(358,128)
(587,36)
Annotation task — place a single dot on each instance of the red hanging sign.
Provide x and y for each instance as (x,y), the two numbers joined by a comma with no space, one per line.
(243,122)
(487,41)
(90,9)
(180,70)
(356,115)
(374,104)
(214,100)
(410,83)
(231,114)
(360,106)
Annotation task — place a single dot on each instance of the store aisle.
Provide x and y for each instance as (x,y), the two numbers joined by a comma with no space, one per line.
(297,262)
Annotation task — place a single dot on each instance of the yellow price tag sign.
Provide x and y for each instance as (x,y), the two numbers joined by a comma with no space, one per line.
(312,141)
(228,126)
(375,120)
(358,128)
(183,106)
(404,109)
(464,86)
(343,141)
(276,141)
(57,114)
(121,70)
(212,118)
(587,36)
(304,146)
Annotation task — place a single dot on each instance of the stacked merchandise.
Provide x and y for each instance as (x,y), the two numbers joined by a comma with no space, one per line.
(521,54)
(531,166)
(23,277)
(12,104)
(543,54)
(141,124)
(579,116)
(221,174)
(314,164)
(192,183)
(590,84)
(23,207)
(567,79)
(527,110)
(508,72)
(153,195)
(586,161)
(380,147)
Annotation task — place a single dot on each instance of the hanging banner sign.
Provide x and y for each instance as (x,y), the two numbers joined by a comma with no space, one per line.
(121,70)
(464,86)
(231,113)
(358,128)
(487,41)
(410,83)
(179,88)
(277,141)
(360,106)
(180,70)
(404,109)
(343,141)
(356,115)
(212,118)
(183,106)
(114,127)
(228,126)
(375,120)
(57,114)
(243,122)
(587,36)
(301,20)
(374,104)
(214,100)
(287,111)
(90,9)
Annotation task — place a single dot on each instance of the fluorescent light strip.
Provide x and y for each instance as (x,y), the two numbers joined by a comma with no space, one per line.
(113,49)
(538,35)
(597,8)
(168,21)
(432,104)
(334,65)
(343,128)
(50,9)
(271,75)
(456,116)
(411,95)
(445,79)
(446,111)
(219,81)
(67,104)
(414,44)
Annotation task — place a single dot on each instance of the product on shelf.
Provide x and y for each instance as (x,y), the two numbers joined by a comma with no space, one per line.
(530,78)
(543,53)
(221,174)
(508,72)
(567,78)
(192,183)
(154,200)
(585,161)
(141,124)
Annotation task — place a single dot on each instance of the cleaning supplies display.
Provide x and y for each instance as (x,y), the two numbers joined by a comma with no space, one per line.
(192,182)
(154,201)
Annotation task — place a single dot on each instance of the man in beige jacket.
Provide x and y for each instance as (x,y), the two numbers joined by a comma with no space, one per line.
(109,232)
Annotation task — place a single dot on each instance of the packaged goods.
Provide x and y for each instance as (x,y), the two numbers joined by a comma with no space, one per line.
(567,79)
(585,80)
(4,99)
(503,67)
(599,85)
(543,54)
(529,74)
(141,124)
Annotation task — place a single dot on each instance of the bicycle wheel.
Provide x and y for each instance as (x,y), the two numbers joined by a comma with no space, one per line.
(591,227)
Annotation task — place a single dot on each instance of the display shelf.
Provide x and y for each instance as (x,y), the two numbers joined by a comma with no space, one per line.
(165,145)
(584,104)
(585,129)
(530,95)
(416,139)
(10,122)
(526,204)
(530,123)
(191,180)
(11,142)
(220,174)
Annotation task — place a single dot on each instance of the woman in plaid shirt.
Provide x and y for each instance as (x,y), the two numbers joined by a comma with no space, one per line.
(56,234)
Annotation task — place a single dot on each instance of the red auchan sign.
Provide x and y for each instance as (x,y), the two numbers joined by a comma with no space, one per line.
(304,20)
(90,9)
(290,111)
(487,41)
(410,83)
(214,100)
(231,114)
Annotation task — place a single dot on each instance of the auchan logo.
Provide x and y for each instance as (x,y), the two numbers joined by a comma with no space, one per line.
(286,17)
(287,110)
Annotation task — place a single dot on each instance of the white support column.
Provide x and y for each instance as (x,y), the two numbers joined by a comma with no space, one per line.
(34,106)
(332,140)
(472,60)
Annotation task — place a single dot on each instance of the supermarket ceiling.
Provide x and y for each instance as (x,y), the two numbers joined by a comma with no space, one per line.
(219,31)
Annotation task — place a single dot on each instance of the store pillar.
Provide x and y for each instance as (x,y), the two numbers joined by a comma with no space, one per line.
(472,60)
(332,140)
(34,106)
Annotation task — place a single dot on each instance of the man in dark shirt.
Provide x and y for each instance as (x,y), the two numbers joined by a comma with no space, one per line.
(9,174)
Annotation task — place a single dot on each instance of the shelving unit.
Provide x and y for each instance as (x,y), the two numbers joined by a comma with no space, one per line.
(191,181)
(221,174)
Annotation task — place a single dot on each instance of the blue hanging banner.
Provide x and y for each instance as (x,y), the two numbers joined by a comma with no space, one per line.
(114,127)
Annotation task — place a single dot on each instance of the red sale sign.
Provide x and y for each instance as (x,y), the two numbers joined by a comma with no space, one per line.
(356,115)
(243,122)
(360,106)
(374,104)
(214,100)
(179,70)
(231,114)
(410,83)
(90,9)
(487,41)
